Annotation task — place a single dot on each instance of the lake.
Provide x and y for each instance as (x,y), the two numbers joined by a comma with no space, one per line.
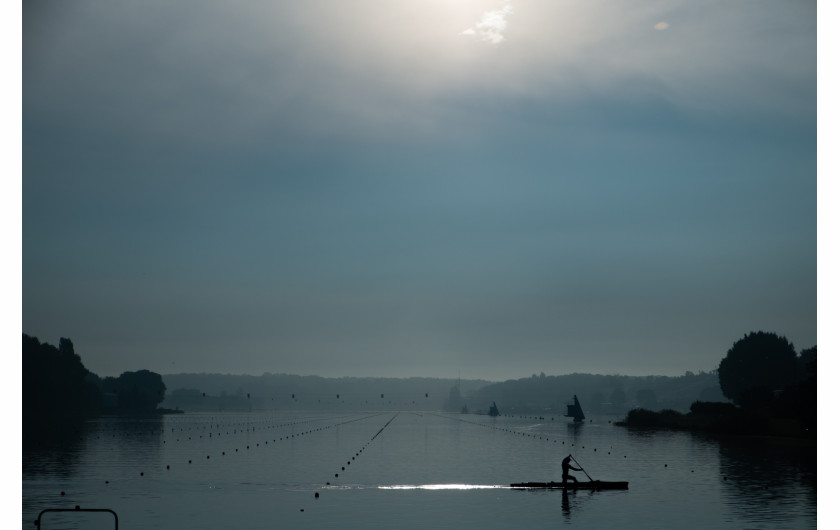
(410,469)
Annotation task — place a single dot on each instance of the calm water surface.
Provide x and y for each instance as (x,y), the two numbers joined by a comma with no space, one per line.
(411,470)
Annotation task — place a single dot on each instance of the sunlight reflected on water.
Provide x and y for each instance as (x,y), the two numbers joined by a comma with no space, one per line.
(442,487)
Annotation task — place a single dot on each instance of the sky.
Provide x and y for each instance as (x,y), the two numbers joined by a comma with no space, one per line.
(482,188)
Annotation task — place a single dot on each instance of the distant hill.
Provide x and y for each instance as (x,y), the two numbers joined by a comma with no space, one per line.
(228,392)
(599,394)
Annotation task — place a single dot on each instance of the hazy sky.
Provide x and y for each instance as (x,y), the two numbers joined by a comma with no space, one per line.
(418,187)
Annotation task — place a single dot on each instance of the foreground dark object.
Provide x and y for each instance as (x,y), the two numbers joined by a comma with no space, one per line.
(591,485)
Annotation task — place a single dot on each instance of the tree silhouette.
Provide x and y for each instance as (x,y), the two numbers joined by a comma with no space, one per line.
(139,391)
(56,386)
(755,366)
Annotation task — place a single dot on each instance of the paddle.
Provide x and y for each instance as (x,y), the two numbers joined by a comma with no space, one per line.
(581,468)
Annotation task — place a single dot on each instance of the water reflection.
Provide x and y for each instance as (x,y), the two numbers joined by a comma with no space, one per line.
(65,452)
(574,431)
(772,477)
(54,451)
(567,511)
(574,501)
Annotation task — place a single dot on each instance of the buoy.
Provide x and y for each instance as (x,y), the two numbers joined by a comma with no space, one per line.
(62,494)
(317,494)
(167,467)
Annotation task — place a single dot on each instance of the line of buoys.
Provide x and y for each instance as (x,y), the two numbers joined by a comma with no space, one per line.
(348,419)
(343,468)
(309,431)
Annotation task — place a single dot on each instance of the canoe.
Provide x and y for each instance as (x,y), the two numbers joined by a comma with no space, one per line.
(591,485)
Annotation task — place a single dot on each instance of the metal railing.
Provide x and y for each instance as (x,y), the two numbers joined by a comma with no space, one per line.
(77,509)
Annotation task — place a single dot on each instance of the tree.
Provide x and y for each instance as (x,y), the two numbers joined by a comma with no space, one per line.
(140,391)
(757,365)
(56,386)
(807,363)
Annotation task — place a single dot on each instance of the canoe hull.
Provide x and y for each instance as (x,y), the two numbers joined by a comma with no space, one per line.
(591,485)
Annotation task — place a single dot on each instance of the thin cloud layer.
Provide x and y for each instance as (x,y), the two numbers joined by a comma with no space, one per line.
(288,185)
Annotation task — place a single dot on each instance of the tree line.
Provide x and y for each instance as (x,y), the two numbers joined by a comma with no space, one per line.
(598,394)
(231,392)
(58,389)
(773,390)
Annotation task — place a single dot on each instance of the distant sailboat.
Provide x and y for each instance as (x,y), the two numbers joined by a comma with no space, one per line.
(574,410)
(494,410)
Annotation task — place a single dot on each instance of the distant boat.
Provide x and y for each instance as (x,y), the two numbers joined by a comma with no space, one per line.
(494,410)
(574,410)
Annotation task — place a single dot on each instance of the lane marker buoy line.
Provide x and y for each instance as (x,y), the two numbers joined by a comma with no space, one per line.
(168,467)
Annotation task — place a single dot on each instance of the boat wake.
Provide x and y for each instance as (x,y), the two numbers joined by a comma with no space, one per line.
(442,487)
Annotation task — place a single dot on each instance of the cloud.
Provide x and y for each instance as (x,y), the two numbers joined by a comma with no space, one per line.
(491,26)
(661,26)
